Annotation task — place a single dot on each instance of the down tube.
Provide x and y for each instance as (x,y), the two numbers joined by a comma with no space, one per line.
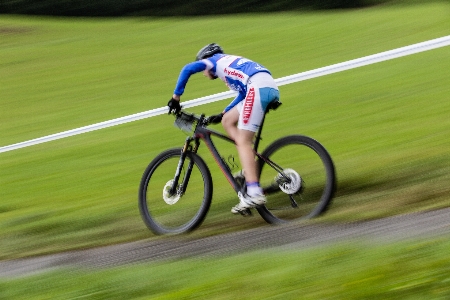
(222,165)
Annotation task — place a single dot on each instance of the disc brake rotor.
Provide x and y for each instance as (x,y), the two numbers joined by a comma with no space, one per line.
(170,199)
(292,185)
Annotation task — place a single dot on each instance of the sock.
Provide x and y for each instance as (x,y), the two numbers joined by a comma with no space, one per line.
(254,189)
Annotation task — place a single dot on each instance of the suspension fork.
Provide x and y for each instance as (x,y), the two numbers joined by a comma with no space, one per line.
(186,148)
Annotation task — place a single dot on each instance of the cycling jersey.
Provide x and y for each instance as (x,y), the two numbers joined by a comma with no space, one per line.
(233,70)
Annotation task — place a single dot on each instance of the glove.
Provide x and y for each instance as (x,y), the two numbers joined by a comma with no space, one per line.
(215,119)
(174,106)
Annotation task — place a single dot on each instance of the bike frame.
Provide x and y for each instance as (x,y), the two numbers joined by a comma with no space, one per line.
(202,132)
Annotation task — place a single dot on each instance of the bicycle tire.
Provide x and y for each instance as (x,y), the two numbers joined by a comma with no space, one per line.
(306,162)
(165,214)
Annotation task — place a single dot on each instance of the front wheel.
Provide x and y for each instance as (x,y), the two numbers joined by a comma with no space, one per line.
(184,210)
(298,178)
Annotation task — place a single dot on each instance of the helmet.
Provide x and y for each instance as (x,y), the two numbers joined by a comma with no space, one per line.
(208,51)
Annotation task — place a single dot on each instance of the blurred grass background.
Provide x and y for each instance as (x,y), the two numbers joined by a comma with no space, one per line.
(385,125)
(347,270)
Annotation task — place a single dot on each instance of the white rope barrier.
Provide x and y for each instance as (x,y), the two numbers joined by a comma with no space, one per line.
(351,64)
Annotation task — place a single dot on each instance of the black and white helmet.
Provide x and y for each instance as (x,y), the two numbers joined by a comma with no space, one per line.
(208,51)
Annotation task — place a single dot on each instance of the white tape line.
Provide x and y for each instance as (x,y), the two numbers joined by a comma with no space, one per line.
(367,60)
(351,64)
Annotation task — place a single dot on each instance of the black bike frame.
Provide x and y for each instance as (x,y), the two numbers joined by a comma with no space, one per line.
(202,132)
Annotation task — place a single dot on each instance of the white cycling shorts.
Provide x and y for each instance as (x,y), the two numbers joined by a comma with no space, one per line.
(261,91)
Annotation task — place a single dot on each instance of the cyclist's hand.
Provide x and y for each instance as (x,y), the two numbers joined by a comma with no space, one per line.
(215,119)
(174,106)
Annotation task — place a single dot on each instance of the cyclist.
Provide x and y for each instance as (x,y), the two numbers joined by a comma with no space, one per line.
(241,119)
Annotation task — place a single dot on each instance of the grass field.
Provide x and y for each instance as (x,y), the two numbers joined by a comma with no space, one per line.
(358,270)
(385,125)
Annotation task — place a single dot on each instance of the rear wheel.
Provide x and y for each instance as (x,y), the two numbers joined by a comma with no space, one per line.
(303,186)
(184,210)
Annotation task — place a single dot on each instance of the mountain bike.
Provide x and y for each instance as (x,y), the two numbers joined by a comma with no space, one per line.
(297,175)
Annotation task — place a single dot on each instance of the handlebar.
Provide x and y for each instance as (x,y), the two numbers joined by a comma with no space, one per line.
(188,121)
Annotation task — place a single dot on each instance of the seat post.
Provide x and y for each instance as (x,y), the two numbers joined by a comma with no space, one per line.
(258,134)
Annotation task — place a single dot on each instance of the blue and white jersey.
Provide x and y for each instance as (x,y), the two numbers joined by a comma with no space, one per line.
(233,70)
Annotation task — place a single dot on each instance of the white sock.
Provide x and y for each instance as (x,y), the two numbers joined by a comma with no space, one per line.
(253,189)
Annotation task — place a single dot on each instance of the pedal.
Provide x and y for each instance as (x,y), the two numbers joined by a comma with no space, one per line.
(246,212)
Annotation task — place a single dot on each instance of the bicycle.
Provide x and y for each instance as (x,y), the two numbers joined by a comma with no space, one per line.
(297,175)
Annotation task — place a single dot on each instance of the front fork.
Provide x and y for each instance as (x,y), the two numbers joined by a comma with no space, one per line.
(186,148)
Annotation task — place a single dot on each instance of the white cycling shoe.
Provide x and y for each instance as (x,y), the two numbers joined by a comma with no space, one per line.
(246,202)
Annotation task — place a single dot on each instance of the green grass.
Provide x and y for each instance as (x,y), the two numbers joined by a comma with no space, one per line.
(357,270)
(61,74)
(385,125)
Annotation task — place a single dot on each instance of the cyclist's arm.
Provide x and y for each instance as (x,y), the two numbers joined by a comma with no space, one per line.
(233,103)
(185,73)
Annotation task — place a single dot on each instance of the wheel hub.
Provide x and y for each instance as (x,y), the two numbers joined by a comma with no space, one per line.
(290,183)
(170,199)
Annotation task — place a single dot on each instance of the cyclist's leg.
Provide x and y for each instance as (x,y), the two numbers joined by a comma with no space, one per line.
(229,122)
(248,114)
(244,143)
(250,118)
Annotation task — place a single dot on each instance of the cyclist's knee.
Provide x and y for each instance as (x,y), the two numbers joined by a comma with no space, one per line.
(230,119)
(244,138)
